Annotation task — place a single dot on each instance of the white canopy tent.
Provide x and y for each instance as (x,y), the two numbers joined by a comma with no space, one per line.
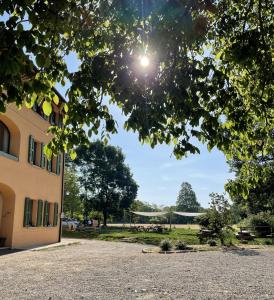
(163,213)
(150,214)
(188,214)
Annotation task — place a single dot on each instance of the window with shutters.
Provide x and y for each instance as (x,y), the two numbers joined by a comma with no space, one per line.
(35,152)
(28,216)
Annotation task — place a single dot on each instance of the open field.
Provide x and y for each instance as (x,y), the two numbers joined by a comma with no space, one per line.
(119,271)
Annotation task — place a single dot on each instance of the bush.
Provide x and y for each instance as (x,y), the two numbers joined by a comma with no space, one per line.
(212,243)
(166,245)
(180,245)
(268,242)
(264,219)
(203,220)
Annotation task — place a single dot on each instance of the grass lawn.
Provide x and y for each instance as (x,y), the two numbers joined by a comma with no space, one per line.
(120,233)
(189,235)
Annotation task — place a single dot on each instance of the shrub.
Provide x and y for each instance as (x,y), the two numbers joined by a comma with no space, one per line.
(264,219)
(212,243)
(244,242)
(180,245)
(268,242)
(203,220)
(166,245)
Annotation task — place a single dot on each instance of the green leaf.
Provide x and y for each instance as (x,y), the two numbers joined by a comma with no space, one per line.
(55,99)
(73,154)
(47,108)
(40,60)
(66,108)
(47,151)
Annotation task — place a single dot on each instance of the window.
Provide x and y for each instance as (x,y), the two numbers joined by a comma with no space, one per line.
(36,153)
(4,138)
(28,213)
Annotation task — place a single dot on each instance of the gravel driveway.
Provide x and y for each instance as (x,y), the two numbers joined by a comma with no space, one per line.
(108,270)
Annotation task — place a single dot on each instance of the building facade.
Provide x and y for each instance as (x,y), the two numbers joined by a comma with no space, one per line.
(31,186)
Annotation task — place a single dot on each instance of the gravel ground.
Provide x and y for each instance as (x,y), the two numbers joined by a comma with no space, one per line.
(108,270)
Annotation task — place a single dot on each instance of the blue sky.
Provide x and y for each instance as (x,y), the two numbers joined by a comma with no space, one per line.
(157,171)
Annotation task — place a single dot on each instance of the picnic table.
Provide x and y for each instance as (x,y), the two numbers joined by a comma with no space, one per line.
(245,235)
(205,233)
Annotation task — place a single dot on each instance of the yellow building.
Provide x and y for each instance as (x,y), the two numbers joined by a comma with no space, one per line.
(31,186)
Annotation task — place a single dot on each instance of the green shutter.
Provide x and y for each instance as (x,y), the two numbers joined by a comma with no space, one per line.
(46,213)
(55,219)
(52,118)
(60,121)
(43,157)
(39,213)
(28,212)
(31,149)
(35,106)
(25,222)
(49,165)
(58,164)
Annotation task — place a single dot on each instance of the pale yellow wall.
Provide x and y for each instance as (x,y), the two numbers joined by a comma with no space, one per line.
(27,180)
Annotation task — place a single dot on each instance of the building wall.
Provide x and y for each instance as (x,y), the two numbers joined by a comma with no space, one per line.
(27,180)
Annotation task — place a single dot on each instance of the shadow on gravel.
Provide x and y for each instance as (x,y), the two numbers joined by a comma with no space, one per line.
(7,251)
(243,252)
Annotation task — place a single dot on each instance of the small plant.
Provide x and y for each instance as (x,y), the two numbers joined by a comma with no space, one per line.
(180,245)
(267,242)
(166,245)
(244,242)
(212,243)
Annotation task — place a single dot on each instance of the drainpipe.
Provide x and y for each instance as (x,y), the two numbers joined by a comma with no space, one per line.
(62,199)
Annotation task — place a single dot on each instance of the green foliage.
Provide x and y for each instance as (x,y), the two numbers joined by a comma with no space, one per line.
(219,216)
(203,220)
(261,222)
(106,180)
(210,78)
(166,245)
(72,201)
(180,245)
(187,200)
(258,195)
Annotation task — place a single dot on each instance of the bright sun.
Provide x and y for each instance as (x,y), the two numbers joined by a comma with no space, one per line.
(144,61)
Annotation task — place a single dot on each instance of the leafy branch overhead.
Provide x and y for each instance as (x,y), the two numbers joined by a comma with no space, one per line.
(210,74)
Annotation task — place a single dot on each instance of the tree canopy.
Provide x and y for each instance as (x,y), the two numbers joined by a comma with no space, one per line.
(210,74)
(72,199)
(107,182)
(187,200)
(261,196)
